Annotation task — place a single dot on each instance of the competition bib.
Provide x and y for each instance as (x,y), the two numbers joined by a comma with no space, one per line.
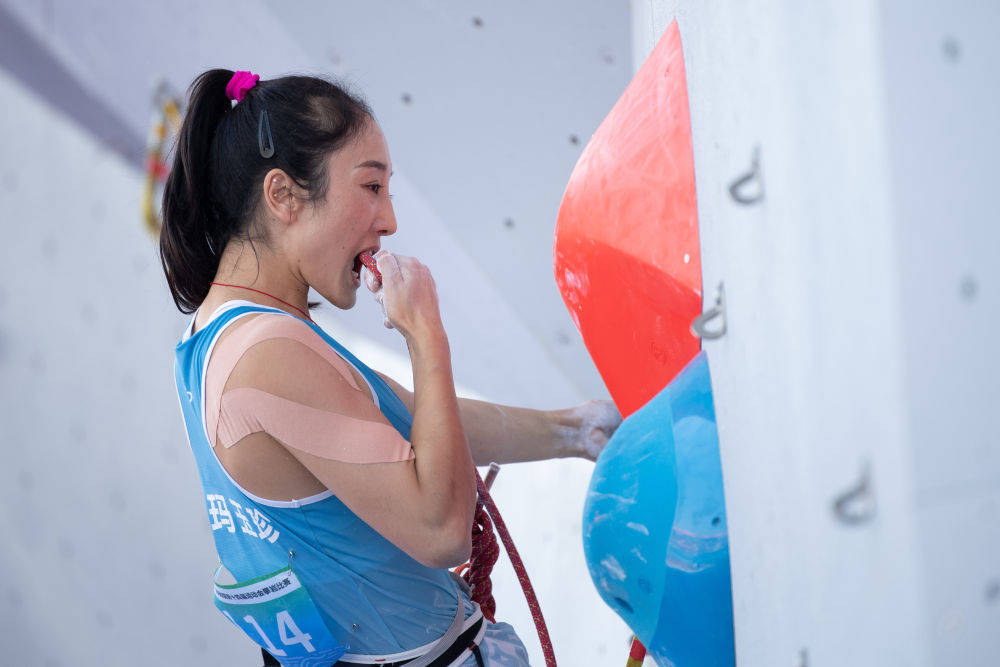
(277,613)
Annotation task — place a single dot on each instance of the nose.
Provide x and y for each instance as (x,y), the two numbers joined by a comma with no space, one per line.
(386,220)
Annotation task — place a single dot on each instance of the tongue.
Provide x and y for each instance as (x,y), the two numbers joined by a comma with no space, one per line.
(369,263)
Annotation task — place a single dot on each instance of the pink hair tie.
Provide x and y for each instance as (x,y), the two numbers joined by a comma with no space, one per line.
(238,86)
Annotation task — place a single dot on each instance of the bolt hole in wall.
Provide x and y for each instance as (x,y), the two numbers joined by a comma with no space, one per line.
(968,287)
(952,49)
(993,591)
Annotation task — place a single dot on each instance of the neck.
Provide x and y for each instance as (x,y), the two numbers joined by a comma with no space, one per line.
(275,286)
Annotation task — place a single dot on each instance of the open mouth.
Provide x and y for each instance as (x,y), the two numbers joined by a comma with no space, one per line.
(365,258)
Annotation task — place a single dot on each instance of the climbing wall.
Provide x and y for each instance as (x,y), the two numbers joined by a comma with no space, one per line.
(942,91)
(843,157)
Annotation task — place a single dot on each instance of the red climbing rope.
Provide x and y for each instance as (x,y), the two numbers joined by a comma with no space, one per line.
(484,554)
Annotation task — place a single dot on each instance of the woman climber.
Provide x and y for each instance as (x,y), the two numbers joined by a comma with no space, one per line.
(337,499)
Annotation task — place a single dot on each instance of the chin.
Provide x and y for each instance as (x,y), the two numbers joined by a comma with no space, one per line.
(345,301)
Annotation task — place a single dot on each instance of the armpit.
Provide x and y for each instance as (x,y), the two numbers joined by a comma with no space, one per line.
(322,433)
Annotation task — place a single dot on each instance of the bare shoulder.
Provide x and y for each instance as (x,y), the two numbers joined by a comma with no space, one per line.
(290,360)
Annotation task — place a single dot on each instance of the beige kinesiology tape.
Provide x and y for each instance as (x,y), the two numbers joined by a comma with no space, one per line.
(327,434)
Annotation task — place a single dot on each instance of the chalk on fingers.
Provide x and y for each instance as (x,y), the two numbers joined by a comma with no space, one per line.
(385,256)
(379,296)
(371,281)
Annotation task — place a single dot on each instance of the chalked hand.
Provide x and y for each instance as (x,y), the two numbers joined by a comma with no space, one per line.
(372,278)
(405,290)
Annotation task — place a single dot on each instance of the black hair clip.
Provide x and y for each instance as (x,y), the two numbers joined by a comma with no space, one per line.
(264,127)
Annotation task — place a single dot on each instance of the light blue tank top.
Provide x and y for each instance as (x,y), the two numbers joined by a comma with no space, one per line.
(372,596)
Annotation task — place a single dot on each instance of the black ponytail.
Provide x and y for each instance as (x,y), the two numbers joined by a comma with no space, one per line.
(212,192)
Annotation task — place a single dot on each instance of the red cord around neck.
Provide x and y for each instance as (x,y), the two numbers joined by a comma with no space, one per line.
(305,315)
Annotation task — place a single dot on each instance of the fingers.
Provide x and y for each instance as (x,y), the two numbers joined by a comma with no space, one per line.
(371,282)
(379,296)
(388,268)
(407,289)
(388,265)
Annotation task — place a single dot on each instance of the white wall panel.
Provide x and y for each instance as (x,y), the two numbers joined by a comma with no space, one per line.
(862,300)
(959,539)
(808,380)
(943,91)
(107,555)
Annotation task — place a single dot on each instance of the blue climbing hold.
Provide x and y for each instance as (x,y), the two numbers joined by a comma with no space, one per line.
(654,526)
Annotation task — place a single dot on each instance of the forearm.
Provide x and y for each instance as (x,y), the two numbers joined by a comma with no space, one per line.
(444,465)
(509,435)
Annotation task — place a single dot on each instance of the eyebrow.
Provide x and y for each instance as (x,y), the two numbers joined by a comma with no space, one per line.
(376,164)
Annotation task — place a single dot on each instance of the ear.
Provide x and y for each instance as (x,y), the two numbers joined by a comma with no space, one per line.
(280,196)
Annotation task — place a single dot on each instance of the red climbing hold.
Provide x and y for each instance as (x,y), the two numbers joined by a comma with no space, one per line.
(626,250)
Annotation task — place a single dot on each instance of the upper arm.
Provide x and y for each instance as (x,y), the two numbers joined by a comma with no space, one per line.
(345,425)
